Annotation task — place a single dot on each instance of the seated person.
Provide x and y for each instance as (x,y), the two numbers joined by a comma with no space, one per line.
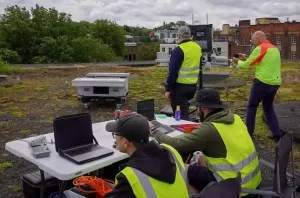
(153,170)
(224,140)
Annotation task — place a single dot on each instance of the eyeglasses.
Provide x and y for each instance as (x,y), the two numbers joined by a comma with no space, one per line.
(114,135)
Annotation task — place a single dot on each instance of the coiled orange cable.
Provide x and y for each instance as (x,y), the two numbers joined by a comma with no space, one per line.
(98,185)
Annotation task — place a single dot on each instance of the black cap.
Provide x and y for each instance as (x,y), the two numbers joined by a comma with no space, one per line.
(133,127)
(209,98)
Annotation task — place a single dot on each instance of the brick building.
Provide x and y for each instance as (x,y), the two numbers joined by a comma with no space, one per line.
(286,36)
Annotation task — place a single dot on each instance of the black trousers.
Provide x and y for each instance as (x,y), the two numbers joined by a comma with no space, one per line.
(180,95)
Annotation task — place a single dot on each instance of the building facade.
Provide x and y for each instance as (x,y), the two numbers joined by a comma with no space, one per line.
(286,36)
(167,36)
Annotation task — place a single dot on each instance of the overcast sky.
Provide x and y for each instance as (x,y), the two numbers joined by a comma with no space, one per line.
(151,13)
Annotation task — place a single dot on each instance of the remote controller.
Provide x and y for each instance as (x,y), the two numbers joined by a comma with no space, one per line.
(40,151)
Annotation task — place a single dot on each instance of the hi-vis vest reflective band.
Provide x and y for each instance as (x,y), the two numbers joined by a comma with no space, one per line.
(189,70)
(241,155)
(144,186)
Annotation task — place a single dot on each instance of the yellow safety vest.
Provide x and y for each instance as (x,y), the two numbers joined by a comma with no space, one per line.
(190,67)
(144,186)
(241,155)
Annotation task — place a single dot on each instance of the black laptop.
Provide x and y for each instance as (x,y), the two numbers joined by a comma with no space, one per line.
(74,139)
(146,108)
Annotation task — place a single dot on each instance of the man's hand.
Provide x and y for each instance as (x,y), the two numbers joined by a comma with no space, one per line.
(242,57)
(235,60)
(151,126)
(167,95)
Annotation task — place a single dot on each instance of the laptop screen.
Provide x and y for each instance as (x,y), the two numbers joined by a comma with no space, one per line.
(72,130)
(146,108)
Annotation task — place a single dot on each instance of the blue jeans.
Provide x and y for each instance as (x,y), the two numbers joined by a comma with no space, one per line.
(261,92)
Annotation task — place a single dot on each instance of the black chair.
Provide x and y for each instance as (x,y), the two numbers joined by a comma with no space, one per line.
(229,188)
(280,186)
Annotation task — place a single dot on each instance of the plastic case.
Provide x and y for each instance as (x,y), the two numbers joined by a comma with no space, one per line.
(32,183)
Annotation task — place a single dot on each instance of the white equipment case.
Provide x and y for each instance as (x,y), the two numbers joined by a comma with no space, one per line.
(95,86)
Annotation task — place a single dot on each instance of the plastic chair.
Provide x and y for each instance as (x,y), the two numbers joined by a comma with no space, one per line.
(229,188)
(280,186)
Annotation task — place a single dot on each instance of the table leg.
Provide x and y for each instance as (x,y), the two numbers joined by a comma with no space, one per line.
(62,186)
(42,188)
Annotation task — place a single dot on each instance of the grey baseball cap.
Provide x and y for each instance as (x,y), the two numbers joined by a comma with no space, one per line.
(184,30)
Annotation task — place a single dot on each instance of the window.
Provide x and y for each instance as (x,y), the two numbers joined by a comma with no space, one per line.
(293,39)
(163,49)
(278,39)
(293,55)
(170,50)
(219,50)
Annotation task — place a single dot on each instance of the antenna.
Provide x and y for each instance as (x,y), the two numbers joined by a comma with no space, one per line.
(192,18)
(206,18)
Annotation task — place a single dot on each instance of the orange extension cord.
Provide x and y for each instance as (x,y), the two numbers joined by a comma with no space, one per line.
(99,186)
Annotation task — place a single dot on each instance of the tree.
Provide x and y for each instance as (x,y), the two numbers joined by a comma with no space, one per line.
(111,34)
(92,50)
(16,31)
(9,56)
(148,51)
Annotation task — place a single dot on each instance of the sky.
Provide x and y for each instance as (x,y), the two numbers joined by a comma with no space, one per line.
(152,13)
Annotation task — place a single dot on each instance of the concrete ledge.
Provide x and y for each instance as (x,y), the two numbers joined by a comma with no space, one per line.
(212,77)
(3,77)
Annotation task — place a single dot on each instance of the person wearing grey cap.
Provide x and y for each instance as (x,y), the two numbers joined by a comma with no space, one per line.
(152,169)
(224,140)
(183,72)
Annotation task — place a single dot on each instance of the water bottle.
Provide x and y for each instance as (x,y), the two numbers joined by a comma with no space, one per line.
(177,113)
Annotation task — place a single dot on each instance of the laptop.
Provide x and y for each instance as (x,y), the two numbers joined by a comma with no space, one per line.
(146,108)
(74,139)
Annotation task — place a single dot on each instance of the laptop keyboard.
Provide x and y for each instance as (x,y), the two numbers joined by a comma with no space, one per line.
(82,150)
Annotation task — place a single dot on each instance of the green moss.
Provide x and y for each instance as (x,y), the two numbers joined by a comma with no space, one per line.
(42,88)
(4,166)
(25,131)
(19,114)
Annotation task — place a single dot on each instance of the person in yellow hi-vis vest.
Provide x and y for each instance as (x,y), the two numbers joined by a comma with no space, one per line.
(224,140)
(183,72)
(266,61)
(153,170)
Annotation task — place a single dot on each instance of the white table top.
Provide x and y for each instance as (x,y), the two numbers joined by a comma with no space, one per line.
(64,169)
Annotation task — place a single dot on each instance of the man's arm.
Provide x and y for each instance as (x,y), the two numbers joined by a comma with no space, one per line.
(188,142)
(122,189)
(175,63)
(246,64)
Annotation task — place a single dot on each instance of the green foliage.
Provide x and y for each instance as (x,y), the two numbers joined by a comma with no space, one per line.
(148,51)
(7,69)
(5,165)
(42,35)
(92,50)
(111,34)
(142,33)
(9,56)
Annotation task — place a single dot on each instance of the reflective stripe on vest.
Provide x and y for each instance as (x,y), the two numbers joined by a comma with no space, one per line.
(236,138)
(189,70)
(145,186)
(145,182)
(236,167)
(180,166)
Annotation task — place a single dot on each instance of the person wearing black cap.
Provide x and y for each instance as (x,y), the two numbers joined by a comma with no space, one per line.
(183,72)
(153,170)
(224,140)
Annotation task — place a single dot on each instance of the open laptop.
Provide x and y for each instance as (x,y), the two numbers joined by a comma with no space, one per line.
(74,139)
(146,108)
